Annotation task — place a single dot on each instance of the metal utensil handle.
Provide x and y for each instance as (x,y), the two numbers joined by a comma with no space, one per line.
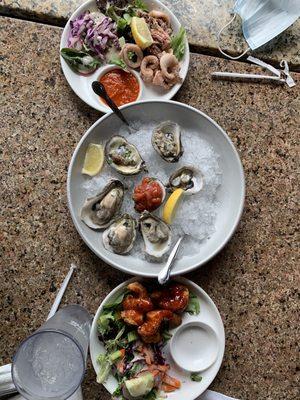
(164,274)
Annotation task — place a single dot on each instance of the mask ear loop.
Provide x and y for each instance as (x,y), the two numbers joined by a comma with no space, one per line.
(219,47)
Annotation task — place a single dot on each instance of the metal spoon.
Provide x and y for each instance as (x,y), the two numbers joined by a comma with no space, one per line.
(164,274)
(100,90)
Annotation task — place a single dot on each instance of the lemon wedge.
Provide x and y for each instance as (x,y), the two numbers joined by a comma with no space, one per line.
(141,32)
(94,159)
(171,206)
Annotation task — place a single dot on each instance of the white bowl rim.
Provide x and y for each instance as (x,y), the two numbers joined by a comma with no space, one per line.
(104,109)
(195,265)
(179,279)
(180,329)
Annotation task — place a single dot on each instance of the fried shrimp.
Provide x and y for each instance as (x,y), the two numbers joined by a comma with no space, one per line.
(174,298)
(139,301)
(138,289)
(150,328)
(132,317)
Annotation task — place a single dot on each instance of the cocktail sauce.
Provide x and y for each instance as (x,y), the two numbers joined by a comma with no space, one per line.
(121,86)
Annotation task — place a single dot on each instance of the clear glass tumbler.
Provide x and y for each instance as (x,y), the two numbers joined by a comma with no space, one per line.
(50,364)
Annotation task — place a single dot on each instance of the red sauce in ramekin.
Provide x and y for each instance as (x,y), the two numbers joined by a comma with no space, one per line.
(121,86)
(148,195)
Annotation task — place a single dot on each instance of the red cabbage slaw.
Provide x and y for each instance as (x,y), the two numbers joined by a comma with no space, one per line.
(94,34)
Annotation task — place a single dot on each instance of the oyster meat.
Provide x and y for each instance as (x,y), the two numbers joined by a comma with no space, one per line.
(187,178)
(99,211)
(166,140)
(120,236)
(123,156)
(156,234)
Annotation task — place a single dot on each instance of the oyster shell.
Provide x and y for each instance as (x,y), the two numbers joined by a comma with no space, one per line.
(156,233)
(187,178)
(120,236)
(98,211)
(123,156)
(166,140)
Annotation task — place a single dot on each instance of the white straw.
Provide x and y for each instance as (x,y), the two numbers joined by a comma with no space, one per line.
(61,292)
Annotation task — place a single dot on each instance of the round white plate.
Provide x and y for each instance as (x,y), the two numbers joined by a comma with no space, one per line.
(209,314)
(230,195)
(81,85)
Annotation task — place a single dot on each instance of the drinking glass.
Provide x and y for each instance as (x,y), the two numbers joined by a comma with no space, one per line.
(50,364)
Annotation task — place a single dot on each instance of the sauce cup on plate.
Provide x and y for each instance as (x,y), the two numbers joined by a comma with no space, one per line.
(123,87)
(194,346)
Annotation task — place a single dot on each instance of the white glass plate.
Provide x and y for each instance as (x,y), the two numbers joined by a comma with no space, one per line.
(81,85)
(229,198)
(209,314)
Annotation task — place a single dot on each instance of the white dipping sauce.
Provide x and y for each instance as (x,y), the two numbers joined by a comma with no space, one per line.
(195,346)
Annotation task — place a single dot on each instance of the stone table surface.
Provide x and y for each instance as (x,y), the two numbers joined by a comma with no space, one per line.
(202,19)
(254,281)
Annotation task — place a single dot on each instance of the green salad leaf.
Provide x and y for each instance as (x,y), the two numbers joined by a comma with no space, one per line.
(104,321)
(196,377)
(140,5)
(111,13)
(105,367)
(151,395)
(178,43)
(166,336)
(119,62)
(132,336)
(193,307)
(116,302)
(80,61)
(113,344)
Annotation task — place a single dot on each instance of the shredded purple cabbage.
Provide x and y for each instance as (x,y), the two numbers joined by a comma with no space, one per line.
(93,35)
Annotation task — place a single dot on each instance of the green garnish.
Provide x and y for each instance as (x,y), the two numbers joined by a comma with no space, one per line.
(80,61)
(131,10)
(121,24)
(193,307)
(111,13)
(115,356)
(122,41)
(127,18)
(119,62)
(105,367)
(196,377)
(151,396)
(131,55)
(104,321)
(132,336)
(166,336)
(116,303)
(178,43)
(139,4)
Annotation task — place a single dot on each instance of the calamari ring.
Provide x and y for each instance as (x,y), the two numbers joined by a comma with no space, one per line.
(132,48)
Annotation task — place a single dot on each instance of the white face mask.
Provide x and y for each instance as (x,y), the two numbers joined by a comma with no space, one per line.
(262,20)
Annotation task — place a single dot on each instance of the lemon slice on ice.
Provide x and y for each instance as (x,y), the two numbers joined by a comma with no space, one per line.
(94,158)
(171,206)
(141,32)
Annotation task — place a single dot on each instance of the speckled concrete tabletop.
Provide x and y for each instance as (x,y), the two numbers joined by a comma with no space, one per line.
(202,19)
(254,281)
